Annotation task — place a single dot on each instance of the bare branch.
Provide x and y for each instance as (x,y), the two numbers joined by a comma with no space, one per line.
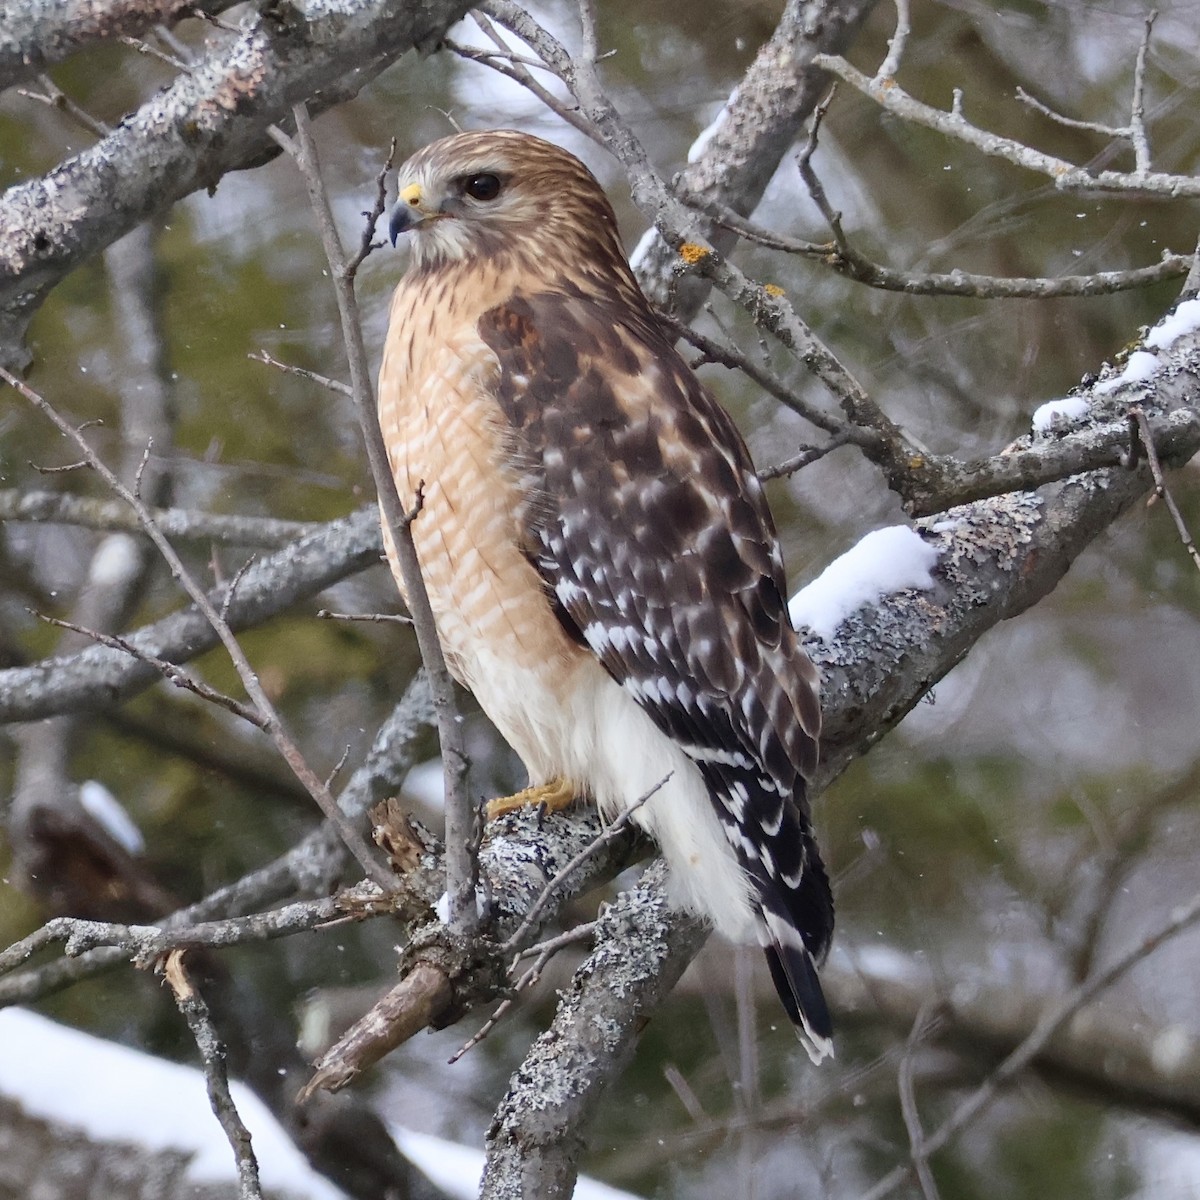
(52,95)
(841,257)
(334,385)
(169,671)
(142,944)
(1160,484)
(311,867)
(1135,131)
(733,160)
(1137,114)
(1051,1021)
(1065,176)
(38,33)
(323,614)
(896,44)
(185,137)
(412,1005)
(100,677)
(908,1105)
(771,384)
(216,1077)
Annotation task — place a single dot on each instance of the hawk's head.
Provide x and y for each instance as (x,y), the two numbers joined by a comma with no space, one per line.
(496,192)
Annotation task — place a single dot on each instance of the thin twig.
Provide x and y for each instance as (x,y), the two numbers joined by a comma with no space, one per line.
(730,357)
(216,1076)
(1116,131)
(461,865)
(334,385)
(806,456)
(63,470)
(1137,113)
(367,242)
(1160,483)
(687,1097)
(144,943)
(896,43)
(154,52)
(816,189)
(337,768)
(230,591)
(577,933)
(377,618)
(482,1032)
(176,674)
(544,952)
(55,97)
(512,66)
(1066,176)
(273,722)
(908,1103)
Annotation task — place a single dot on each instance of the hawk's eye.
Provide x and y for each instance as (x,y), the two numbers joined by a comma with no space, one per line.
(482,187)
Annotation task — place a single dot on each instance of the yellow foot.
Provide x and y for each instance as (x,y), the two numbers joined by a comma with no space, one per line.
(552,796)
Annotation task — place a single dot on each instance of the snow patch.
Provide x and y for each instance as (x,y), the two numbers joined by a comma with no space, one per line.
(1051,413)
(115,562)
(115,1094)
(706,135)
(442,907)
(1185,319)
(1139,367)
(642,249)
(104,808)
(884,562)
(426,783)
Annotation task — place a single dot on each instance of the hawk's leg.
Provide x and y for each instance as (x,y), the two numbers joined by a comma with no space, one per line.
(552,796)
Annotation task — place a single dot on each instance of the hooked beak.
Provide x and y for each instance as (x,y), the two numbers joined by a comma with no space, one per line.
(408,212)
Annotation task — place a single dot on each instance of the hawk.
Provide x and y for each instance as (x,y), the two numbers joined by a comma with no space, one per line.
(603,569)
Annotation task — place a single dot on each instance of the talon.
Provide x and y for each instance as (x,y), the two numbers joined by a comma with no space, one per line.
(552,796)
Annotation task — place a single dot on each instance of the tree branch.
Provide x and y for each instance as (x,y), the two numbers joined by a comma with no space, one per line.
(1066,176)
(36,34)
(537,1134)
(98,677)
(733,160)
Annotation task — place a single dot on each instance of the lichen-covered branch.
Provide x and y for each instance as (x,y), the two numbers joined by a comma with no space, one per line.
(734,159)
(537,1133)
(36,34)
